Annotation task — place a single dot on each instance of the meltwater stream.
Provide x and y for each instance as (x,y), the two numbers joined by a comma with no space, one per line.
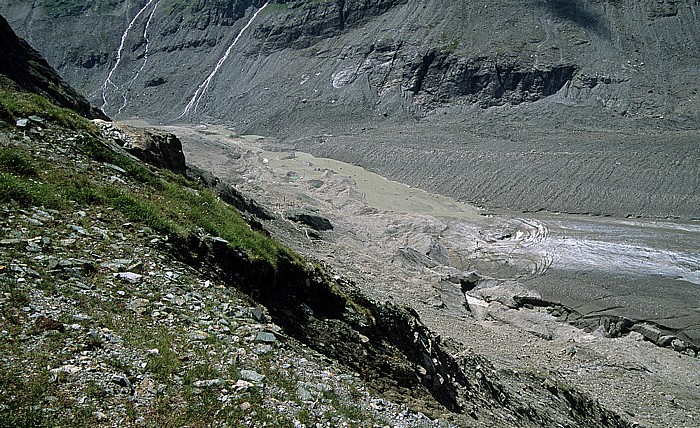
(145,55)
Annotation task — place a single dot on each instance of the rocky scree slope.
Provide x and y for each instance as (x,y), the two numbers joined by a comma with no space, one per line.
(106,321)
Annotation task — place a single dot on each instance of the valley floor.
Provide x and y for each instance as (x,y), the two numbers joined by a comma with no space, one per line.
(404,245)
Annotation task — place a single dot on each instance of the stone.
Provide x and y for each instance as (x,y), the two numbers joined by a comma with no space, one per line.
(33,248)
(252,376)
(208,383)
(304,394)
(128,276)
(649,332)
(99,416)
(258,313)
(199,335)
(67,368)
(310,219)
(242,385)
(266,337)
(10,242)
(115,168)
(22,123)
(665,340)
(121,381)
(478,307)
(678,345)
(37,119)
(139,305)
(159,148)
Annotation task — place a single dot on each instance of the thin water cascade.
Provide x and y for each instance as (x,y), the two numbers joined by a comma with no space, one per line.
(108,81)
(145,56)
(201,89)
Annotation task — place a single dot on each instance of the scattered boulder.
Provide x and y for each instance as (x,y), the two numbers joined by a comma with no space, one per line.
(508,293)
(266,337)
(649,332)
(152,146)
(308,218)
(252,376)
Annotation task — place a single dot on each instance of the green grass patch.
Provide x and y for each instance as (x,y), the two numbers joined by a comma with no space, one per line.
(15,105)
(165,363)
(166,202)
(17,162)
(26,192)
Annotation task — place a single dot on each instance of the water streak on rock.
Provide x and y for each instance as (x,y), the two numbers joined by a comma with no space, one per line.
(197,97)
(108,81)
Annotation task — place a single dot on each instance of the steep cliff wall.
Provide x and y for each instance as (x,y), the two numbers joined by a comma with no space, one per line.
(336,61)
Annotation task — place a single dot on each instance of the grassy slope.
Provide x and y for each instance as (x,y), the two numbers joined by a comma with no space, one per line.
(164,201)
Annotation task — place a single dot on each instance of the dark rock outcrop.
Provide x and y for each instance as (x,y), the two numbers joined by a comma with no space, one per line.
(22,67)
(310,219)
(159,148)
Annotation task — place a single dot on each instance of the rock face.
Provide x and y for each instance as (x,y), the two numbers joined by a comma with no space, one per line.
(302,61)
(27,70)
(159,148)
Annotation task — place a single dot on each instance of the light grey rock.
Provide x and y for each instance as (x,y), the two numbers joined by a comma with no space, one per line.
(678,345)
(128,276)
(266,337)
(199,335)
(665,340)
(99,416)
(209,383)
(242,385)
(252,376)
(10,242)
(67,368)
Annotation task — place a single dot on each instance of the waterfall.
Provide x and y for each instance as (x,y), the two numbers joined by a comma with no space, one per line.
(145,55)
(201,89)
(108,81)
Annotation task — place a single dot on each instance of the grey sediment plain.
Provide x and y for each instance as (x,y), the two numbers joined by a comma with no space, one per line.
(640,270)
(412,247)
